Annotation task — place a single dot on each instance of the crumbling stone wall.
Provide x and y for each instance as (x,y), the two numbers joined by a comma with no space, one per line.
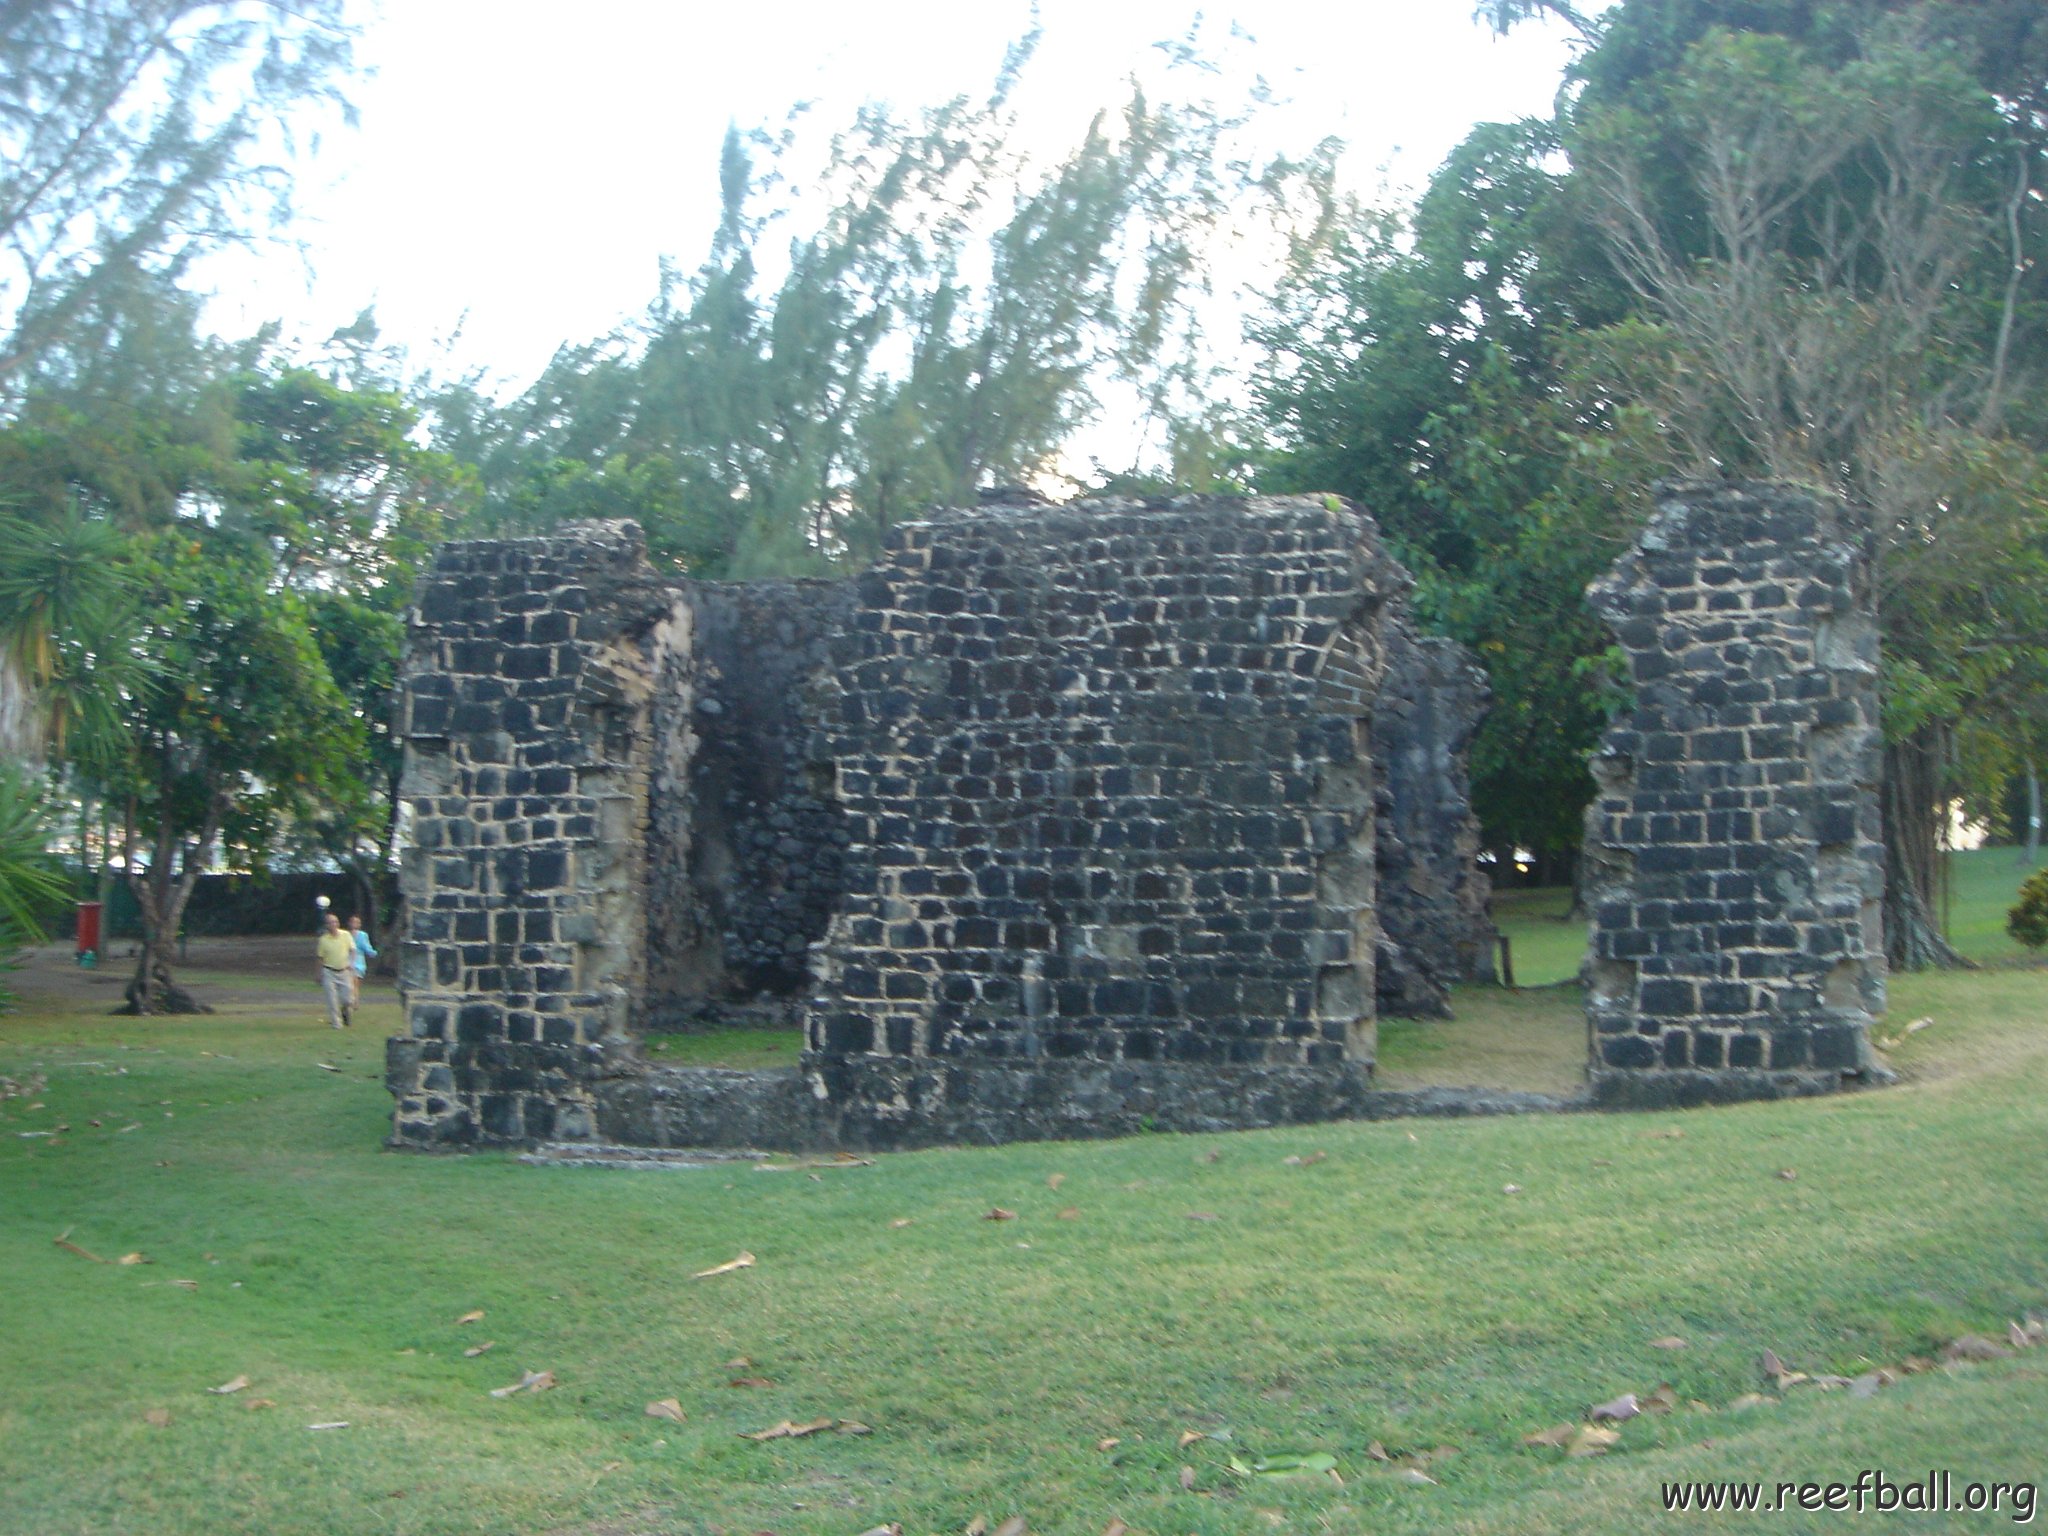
(1734,852)
(1108,771)
(1432,896)
(525,713)
(1071,816)
(747,845)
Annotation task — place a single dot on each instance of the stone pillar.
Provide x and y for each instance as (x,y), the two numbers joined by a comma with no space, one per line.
(524,710)
(1735,860)
(1432,900)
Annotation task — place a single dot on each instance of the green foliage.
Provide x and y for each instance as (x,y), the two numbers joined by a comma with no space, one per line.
(1762,236)
(2027,920)
(1423,367)
(249,728)
(780,407)
(134,135)
(67,622)
(31,885)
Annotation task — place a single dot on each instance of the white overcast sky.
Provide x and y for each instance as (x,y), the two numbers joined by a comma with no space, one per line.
(522,165)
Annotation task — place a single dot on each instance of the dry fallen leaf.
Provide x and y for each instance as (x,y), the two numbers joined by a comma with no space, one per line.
(1748,1400)
(229,1386)
(183,1285)
(1917,1025)
(131,1258)
(1622,1407)
(1788,1174)
(1511,1189)
(1108,1443)
(744,1261)
(1418,1477)
(1663,1400)
(1115,1527)
(1014,1526)
(997,1213)
(851,1427)
(1055,1180)
(1187,1478)
(63,1240)
(1377,1452)
(326,1066)
(1867,1384)
(470,1317)
(157,1418)
(1556,1437)
(978,1526)
(1669,1341)
(335,1424)
(529,1381)
(254,1403)
(901,1221)
(667,1408)
(1188,1437)
(1202,1216)
(893,1528)
(750,1381)
(1592,1440)
(786,1430)
(476,1349)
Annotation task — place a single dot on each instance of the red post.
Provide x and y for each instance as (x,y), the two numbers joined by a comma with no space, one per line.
(88,931)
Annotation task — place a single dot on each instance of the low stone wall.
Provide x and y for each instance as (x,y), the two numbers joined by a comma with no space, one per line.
(1734,854)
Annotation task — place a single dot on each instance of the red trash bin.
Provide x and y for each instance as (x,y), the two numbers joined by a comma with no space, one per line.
(88,931)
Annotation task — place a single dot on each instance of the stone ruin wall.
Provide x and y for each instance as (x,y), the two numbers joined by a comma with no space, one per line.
(1109,775)
(1091,819)
(1735,861)
(525,716)
(1087,792)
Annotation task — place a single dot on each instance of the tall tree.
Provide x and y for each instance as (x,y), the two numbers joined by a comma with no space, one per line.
(944,326)
(1828,240)
(1421,363)
(136,135)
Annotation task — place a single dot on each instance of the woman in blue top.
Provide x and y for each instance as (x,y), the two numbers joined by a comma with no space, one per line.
(365,952)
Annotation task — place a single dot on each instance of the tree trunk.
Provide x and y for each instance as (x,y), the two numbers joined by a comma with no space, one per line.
(1913,807)
(161,895)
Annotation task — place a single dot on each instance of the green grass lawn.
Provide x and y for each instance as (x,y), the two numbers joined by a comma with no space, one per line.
(1390,1292)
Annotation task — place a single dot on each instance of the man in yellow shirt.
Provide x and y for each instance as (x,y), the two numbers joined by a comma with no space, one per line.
(337,960)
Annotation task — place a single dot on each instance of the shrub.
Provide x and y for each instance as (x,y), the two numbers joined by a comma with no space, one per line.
(2028,919)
